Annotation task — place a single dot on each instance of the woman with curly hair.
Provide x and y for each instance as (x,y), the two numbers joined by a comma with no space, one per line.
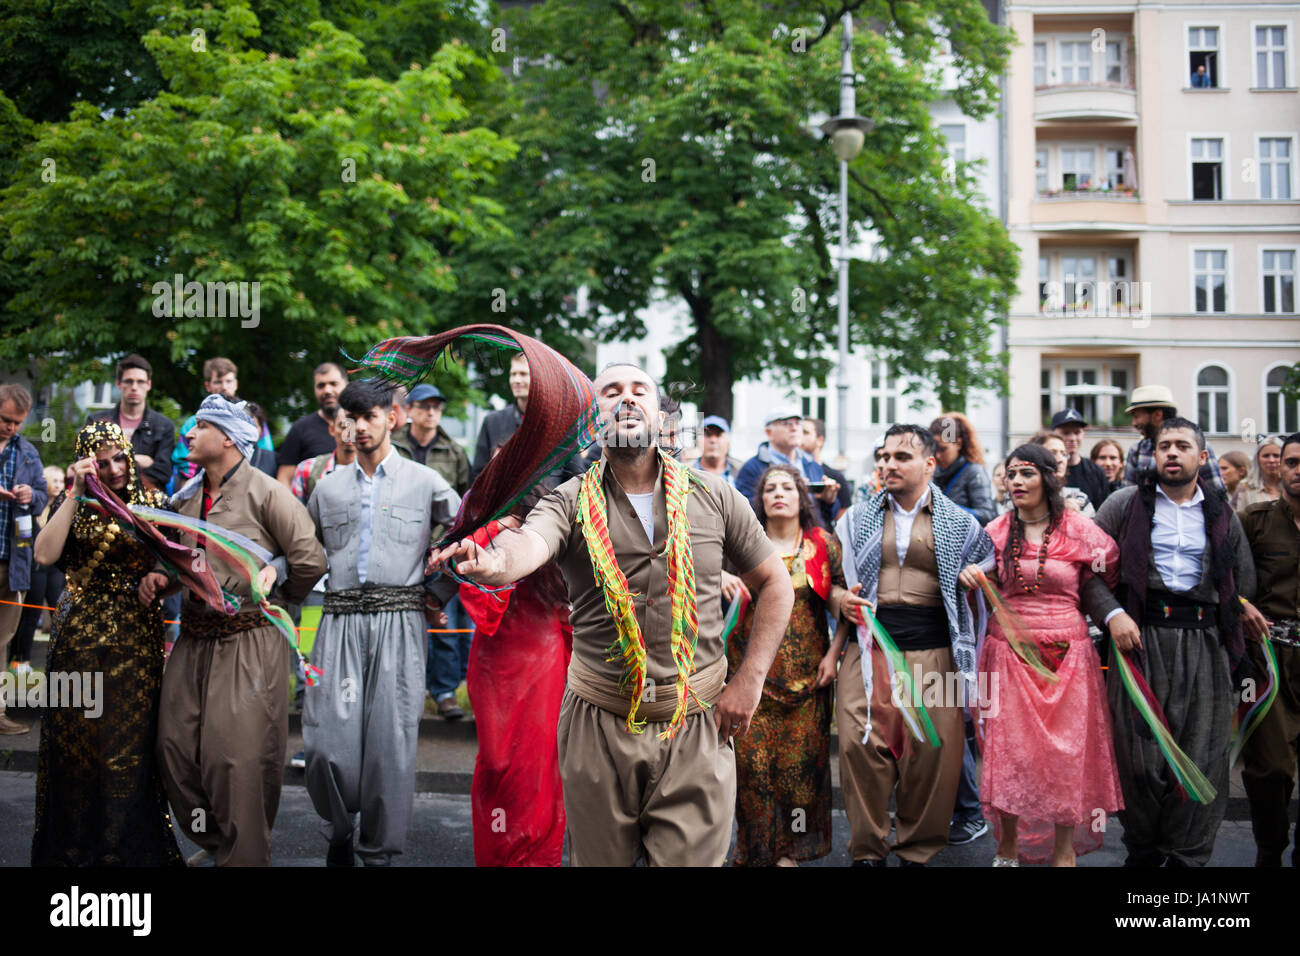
(1049,764)
(99,796)
(783,768)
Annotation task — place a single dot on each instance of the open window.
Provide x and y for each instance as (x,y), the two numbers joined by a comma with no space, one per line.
(1207,169)
(1203,57)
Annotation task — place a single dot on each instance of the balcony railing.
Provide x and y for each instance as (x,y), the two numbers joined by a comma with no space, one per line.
(1100,192)
(1055,308)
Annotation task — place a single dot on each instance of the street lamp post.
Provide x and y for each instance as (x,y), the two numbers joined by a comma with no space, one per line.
(847,132)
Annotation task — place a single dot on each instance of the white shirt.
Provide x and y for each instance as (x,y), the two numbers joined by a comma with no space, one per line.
(903,524)
(645,510)
(1178,540)
(369,494)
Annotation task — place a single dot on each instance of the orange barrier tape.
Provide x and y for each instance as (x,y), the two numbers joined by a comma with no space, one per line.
(463,630)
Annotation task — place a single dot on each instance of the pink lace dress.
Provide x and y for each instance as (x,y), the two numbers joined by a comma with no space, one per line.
(1048,755)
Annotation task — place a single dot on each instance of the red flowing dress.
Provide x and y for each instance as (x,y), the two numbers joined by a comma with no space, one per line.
(518,663)
(1048,754)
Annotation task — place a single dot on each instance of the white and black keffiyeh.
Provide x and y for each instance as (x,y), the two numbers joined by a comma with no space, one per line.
(958,541)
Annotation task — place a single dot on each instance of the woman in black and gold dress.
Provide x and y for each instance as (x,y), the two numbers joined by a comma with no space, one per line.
(99,797)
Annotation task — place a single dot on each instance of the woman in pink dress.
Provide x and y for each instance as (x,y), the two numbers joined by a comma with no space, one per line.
(1049,775)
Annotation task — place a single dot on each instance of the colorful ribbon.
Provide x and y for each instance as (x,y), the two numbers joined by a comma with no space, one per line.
(235,550)
(1249,715)
(913,711)
(1188,776)
(1016,632)
(735,614)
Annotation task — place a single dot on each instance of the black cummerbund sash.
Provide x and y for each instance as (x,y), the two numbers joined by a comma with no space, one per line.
(1164,609)
(372,598)
(915,628)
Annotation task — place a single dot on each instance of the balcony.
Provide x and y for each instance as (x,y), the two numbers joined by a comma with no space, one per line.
(1086,101)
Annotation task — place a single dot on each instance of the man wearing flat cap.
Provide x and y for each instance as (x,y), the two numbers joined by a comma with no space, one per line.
(223,722)
(1151,406)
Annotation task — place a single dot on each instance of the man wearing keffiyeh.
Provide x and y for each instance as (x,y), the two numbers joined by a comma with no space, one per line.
(644,736)
(224,716)
(905,546)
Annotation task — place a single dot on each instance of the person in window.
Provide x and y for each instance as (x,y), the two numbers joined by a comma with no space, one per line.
(1201,79)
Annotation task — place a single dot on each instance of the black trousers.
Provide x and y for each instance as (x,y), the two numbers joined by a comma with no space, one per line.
(47,586)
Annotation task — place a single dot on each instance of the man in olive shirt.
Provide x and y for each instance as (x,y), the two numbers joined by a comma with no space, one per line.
(1273,530)
(629,795)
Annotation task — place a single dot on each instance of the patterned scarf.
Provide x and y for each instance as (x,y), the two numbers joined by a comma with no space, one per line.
(561,420)
(958,541)
(593,511)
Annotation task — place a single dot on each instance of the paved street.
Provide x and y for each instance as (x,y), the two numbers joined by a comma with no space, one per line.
(441,834)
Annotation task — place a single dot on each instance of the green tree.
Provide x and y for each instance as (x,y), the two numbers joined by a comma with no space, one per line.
(343,195)
(666,151)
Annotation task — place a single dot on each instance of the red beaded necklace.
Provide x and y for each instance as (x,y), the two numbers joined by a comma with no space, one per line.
(1017,541)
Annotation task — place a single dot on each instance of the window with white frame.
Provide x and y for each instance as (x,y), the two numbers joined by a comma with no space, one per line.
(1045,395)
(883,394)
(1207,168)
(1279,281)
(1114,63)
(1281,414)
(1114,167)
(1270,57)
(1210,278)
(1274,167)
(1040,170)
(1044,277)
(1076,167)
(1203,51)
(1040,64)
(1213,390)
(1076,62)
(1098,389)
(1079,276)
(1076,380)
(1117,273)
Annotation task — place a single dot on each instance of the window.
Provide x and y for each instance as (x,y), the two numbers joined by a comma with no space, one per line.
(812,399)
(1117,273)
(1279,281)
(883,395)
(1040,64)
(1114,167)
(1270,57)
(1119,396)
(1275,168)
(1044,276)
(1203,51)
(1281,415)
(955,134)
(1040,170)
(1076,380)
(1076,63)
(1045,396)
(1076,168)
(1079,274)
(1211,278)
(1114,62)
(1207,169)
(1212,392)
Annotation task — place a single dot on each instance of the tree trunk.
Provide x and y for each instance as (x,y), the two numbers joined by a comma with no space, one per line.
(715,362)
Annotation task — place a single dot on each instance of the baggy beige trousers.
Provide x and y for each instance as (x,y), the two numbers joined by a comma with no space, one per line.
(628,796)
(926,777)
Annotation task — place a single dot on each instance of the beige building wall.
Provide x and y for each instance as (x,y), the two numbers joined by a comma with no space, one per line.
(1101,190)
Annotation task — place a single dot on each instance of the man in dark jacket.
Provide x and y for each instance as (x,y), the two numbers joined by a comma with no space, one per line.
(428,442)
(22,494)
(498,426)
(152,434)
(1084,474)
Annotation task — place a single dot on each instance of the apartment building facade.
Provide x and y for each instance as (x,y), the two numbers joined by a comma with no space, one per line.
(1152,190)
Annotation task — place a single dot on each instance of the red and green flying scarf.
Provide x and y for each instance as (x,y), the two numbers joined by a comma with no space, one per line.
(561,419)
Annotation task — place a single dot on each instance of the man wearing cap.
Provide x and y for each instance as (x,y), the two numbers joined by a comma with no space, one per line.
(428,442)
(1151,406)
(223,721)
(784,433)
(1081,473)
(715,443)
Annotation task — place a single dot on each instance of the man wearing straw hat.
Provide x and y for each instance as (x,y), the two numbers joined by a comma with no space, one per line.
(223,720)
(1151,406)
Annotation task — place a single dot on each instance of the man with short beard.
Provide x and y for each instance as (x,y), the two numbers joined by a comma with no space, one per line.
(309,436)
(1273,530)
(647,772)
(361,722)
(1184,565)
